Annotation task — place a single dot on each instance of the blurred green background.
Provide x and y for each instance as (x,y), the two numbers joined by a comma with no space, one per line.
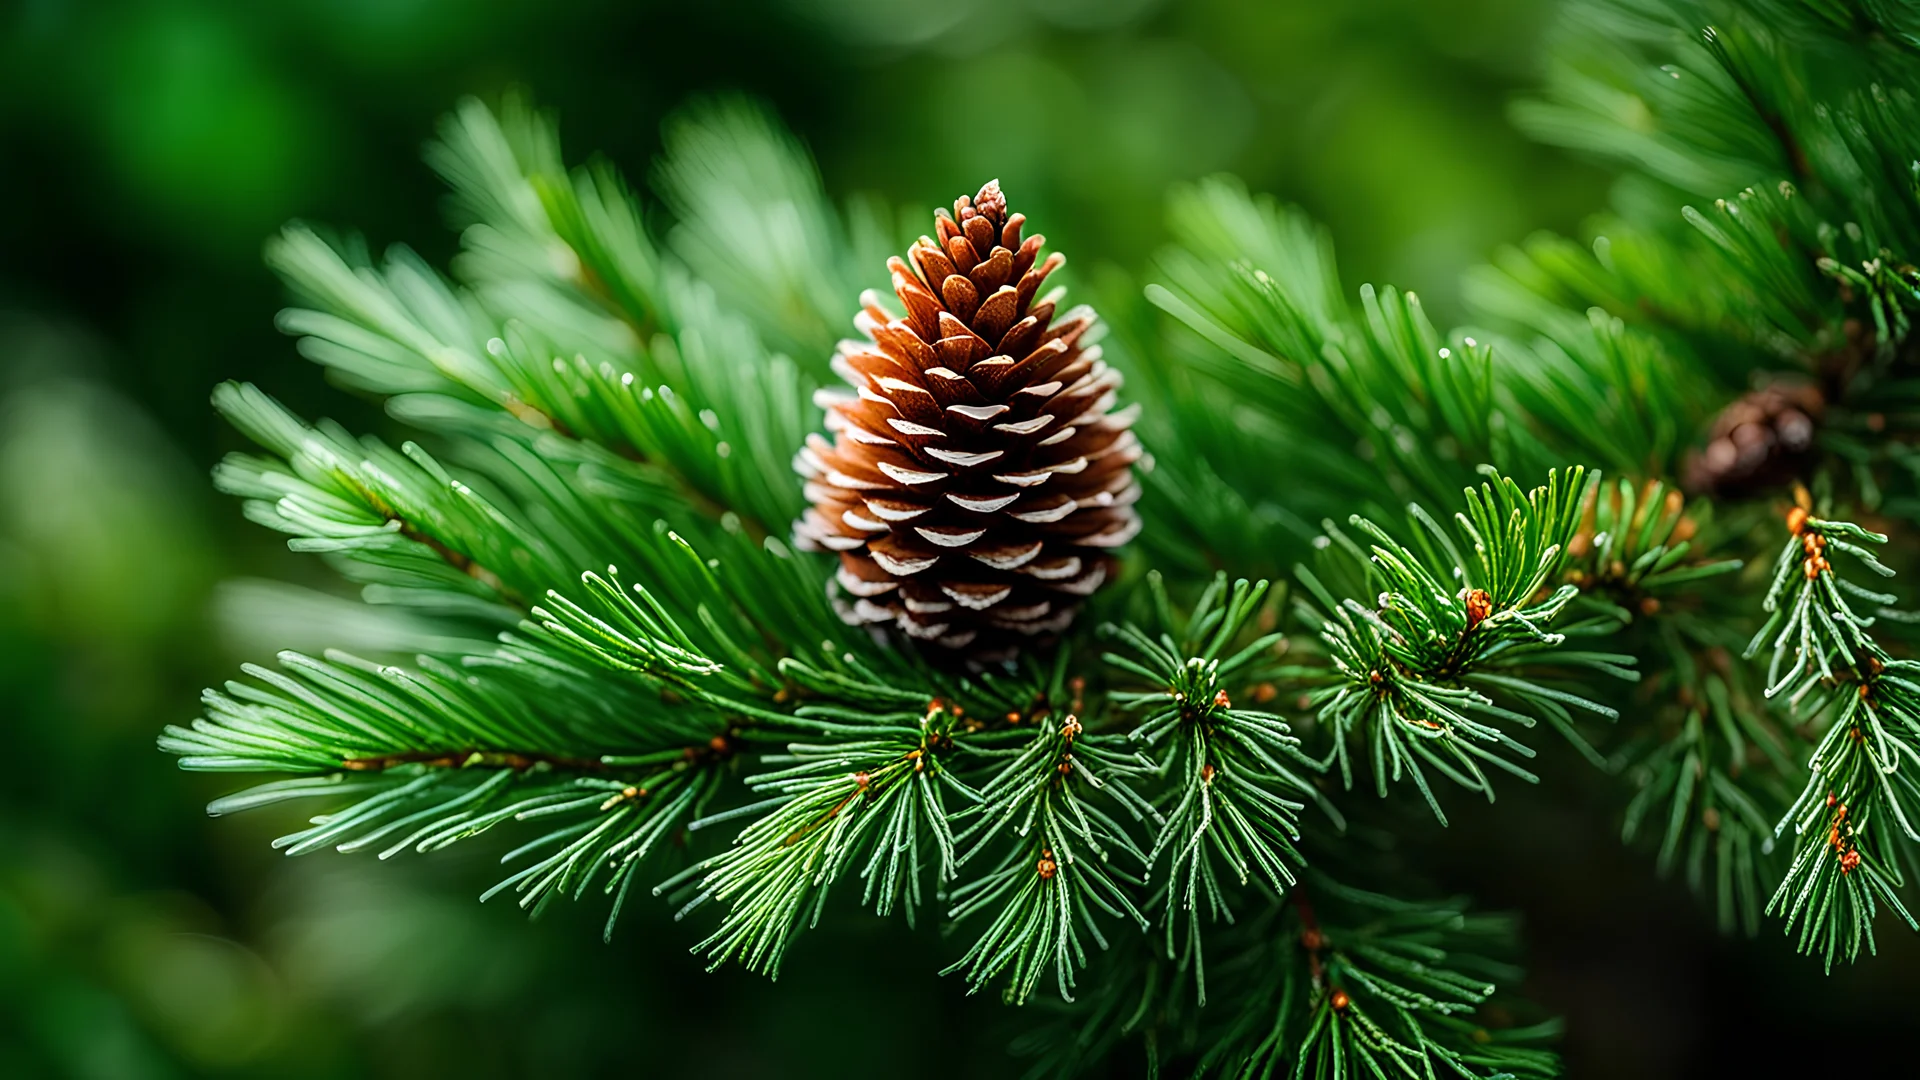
(147,149)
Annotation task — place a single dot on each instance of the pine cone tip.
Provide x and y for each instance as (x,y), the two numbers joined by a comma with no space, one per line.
(990,201)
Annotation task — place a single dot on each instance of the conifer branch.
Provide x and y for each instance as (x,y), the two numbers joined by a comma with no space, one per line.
(1232,771)
(1420,672)
(1710,764)
(1133,832)
(1857,806)
(1062,863)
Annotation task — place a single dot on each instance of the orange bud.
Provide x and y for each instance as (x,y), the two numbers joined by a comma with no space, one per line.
(1479,606)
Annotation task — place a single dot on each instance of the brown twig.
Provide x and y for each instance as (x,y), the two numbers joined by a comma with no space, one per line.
(1311,939)
(518,761)
(461,562)
(716,748)
(1790,147)
(1315,942)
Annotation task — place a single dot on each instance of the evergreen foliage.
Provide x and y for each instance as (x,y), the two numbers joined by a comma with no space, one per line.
(1151,818)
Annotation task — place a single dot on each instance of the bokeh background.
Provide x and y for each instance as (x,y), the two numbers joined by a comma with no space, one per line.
(147,147)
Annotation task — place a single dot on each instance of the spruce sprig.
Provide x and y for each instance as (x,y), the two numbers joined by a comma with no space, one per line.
(1419,673)
(1855,815)
(585,398)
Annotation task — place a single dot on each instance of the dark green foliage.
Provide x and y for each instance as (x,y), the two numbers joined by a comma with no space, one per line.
(1151,829)
(1330,980)
(1045,798)
(1769,226)
(1417,675)
(1234,800)
(1852,819)
(1355,982)
(868,803)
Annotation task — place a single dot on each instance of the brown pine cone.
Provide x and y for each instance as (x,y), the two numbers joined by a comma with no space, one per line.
(1762,439)
(978,480)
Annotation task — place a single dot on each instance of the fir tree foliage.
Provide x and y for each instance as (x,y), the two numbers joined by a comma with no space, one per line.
(1069,854)
(1767,226)
(1331,981)
(1237,772)
(644,658)
(1415,673)
(1379,987)
(1257,283)
(1824,664)
(1763,230)
(1146,831)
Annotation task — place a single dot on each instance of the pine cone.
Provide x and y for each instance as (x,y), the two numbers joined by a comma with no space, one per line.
(979,481)
(1761,440)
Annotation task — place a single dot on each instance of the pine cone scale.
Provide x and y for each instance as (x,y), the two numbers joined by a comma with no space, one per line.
(961,296)
(978,478)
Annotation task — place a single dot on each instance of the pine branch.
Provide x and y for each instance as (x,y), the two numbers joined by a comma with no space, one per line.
(1352,983)
(1420,673)
(1736,104)
(416,534)
(754,222)
(1258,284)
(432,755)
(1786,117)
(1230,771)
(600,401)
(396,521)
(472,757)
(833,805)
(1329,981)
(574,326)
(1060,865)
(1711,766)
(1869,705)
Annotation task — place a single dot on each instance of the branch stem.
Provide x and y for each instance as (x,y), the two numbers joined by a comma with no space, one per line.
(517,760)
